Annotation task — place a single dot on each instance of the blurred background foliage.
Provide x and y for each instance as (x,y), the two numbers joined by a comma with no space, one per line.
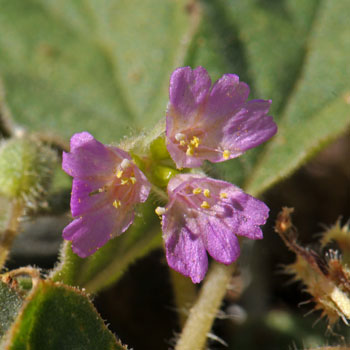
(104,67)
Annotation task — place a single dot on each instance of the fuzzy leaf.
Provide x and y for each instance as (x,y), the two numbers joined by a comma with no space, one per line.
(10,302)
(319,109)
(90,65)
(294,52)
(59,317)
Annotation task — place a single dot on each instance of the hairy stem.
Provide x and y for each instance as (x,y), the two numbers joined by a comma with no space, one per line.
(10,232)
(184,295)
(204,311)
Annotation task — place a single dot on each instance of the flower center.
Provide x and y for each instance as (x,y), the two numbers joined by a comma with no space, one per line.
(206,198)
(125,177)
(189,145)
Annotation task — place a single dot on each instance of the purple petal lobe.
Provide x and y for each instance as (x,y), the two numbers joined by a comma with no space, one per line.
(250,213)
(226,96)
(90,232)
(221,243)
(87,157)
(186,254)
(248,128)
(86,196)
(188,90)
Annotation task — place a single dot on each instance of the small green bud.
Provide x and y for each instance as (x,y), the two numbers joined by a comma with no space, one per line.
(26,167)
(162,174)
(158,149)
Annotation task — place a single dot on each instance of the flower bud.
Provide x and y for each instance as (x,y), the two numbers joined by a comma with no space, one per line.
(162,174)
(158,149)
(26,168)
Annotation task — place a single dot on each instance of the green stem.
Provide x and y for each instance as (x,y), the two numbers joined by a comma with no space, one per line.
(10,232)
(204,311)
(112,272)
(184,294)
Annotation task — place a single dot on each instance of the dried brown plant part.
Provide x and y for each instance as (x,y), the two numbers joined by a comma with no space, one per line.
(341,236)
(326,281)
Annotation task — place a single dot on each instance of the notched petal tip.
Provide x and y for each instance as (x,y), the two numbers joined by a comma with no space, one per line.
(187,91)
(79,139)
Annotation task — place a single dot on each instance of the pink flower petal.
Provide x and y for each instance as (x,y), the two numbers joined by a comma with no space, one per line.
(220,242)
(86,196)
(248,128)
(186,254)
(226,96)
(87,157)
(188,90)
(90,232)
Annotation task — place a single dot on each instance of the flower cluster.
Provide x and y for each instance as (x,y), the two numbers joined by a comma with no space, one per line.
(203,122)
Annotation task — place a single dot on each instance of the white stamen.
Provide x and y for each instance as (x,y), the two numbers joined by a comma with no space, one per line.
(125,163)
(179,136)
(160,211)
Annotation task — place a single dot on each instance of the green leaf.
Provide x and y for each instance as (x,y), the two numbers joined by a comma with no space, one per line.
(109,263)
(10,302)
(59,317)
(318,110)
(293,52)
(100,66)
(261,41)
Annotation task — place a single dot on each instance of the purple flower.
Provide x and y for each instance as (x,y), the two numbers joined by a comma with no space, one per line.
(205,215)
(213,123)
(106,187)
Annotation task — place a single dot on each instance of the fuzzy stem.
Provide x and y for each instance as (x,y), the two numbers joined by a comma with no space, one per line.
(10,232)
(29,271)
(184,294)
(204,311)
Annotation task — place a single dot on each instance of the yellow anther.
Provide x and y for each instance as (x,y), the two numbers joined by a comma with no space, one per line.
(124,181)
(160,211)
(133,180)
(119,174)
(205,205)
(226,154)
(189,151)
(197,190)
(182,143)
(195,141)
(223,195)
(206,192)
(117,204)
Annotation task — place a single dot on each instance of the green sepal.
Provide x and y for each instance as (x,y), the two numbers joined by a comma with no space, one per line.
(158,149)
(161,175)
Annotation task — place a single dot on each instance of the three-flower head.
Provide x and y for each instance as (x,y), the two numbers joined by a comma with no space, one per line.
(203,214)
